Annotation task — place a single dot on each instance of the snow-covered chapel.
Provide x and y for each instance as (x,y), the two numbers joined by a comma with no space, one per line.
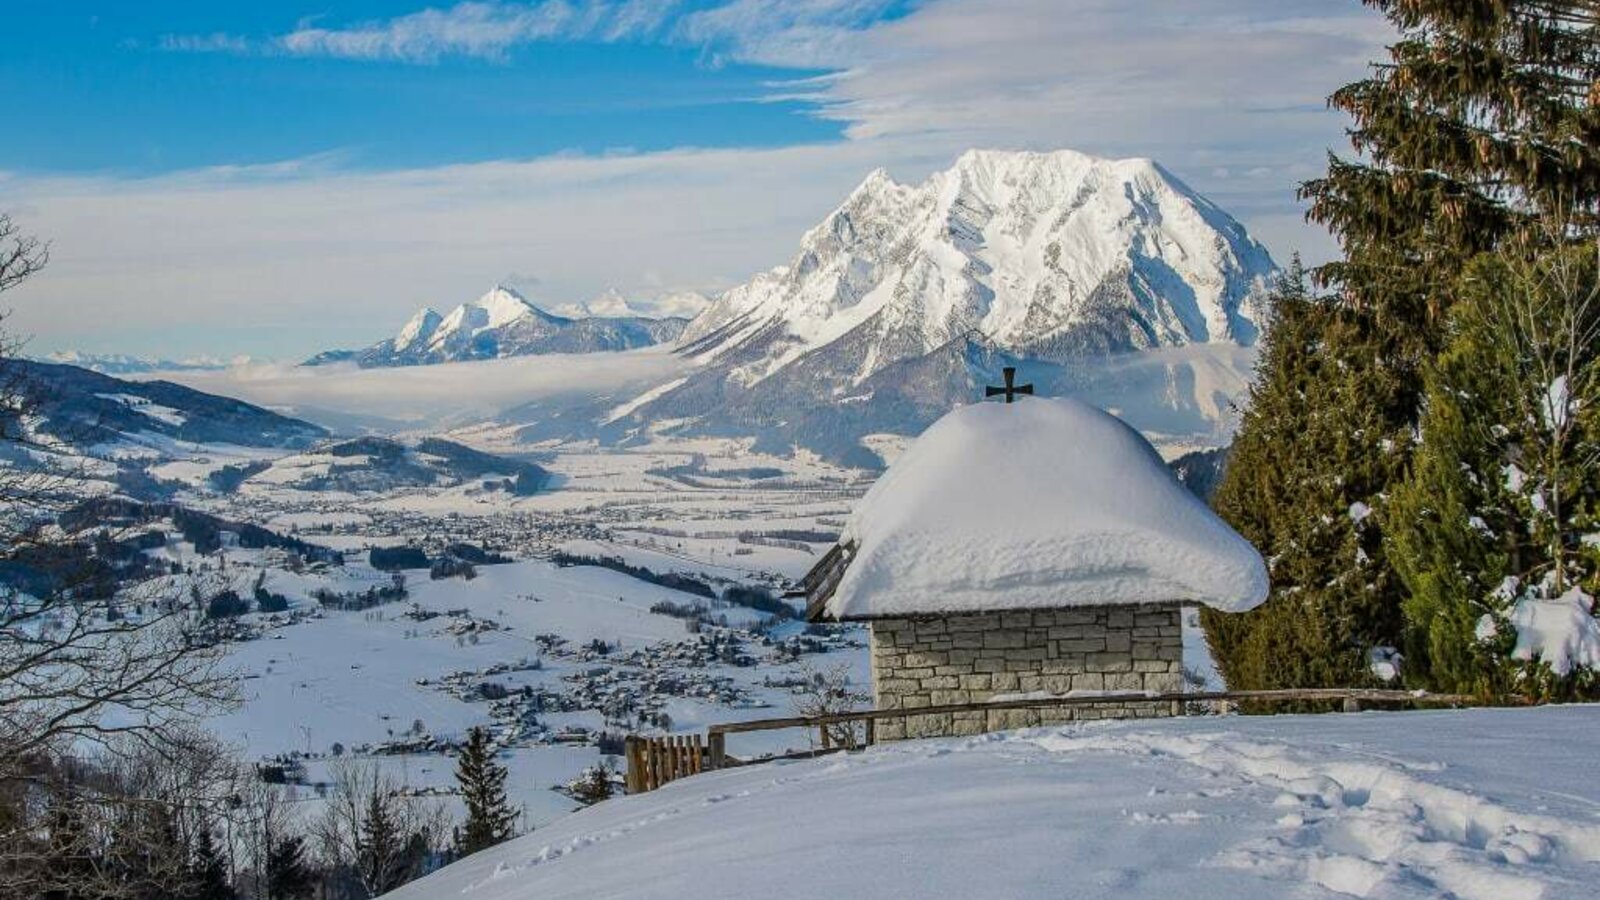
(1037,546)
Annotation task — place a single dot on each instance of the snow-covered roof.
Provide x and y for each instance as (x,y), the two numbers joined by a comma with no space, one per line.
(1040,503)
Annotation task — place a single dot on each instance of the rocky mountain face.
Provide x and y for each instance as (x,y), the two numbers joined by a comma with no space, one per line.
(905,298)
(502,323)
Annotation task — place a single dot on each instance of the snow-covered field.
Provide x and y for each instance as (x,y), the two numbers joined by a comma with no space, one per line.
(1477,805)
(363,680)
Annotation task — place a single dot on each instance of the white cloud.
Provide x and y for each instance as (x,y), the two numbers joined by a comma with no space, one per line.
(484,29)
(204,43)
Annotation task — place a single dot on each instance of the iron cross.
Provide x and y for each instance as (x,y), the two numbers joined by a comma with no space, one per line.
(1012,389)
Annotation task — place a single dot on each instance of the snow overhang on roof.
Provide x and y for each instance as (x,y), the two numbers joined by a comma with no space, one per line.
(1044,503)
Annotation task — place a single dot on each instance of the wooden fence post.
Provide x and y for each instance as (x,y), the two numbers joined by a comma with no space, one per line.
(718,749)
(634,778)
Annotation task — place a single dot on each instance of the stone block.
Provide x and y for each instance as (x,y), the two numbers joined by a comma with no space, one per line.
(928,726)
(1003,640)
(1110,662)
(975,622)
(1163,682)
(1058,684)
(1118,641)
(1004,719)
(1019,619)
(940,682)
(969,723)
(1124,681)
(1070,662)
(977,682)
(1089,681)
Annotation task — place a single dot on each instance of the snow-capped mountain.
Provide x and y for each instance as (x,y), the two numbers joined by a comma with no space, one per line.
(125,364)
(1048,255)
(502,323)
(907,297)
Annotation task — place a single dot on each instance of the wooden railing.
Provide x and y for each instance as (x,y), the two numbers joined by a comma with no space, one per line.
(655,761)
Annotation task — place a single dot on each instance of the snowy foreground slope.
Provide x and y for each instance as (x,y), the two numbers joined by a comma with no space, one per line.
(1477,804)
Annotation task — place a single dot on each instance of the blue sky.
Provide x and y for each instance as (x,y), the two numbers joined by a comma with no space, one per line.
(278,178)
(150,87)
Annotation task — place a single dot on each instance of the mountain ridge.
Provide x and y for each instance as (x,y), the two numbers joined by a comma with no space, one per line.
(503,323)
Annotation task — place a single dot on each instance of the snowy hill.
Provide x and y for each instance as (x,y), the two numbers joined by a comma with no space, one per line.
(907,298)
(503,323)
(1382,805)
(376,464)
(88,409)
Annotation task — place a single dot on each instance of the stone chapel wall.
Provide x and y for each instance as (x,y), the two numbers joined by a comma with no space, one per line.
(970,657)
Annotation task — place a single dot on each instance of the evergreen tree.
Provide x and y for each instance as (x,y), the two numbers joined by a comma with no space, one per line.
(490,818)
(1317,441)
(1505,485)
(380,848)
(288,875)
(1482,122)
(209,871)
(1485,116)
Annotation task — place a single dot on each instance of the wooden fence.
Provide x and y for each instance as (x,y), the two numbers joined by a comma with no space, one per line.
(654,761)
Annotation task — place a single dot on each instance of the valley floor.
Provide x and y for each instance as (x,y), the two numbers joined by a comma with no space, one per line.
(1475,804)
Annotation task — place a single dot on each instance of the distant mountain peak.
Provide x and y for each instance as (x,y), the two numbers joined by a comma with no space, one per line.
(502,323)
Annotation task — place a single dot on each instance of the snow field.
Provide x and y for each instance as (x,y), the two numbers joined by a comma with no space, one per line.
(1374,805)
